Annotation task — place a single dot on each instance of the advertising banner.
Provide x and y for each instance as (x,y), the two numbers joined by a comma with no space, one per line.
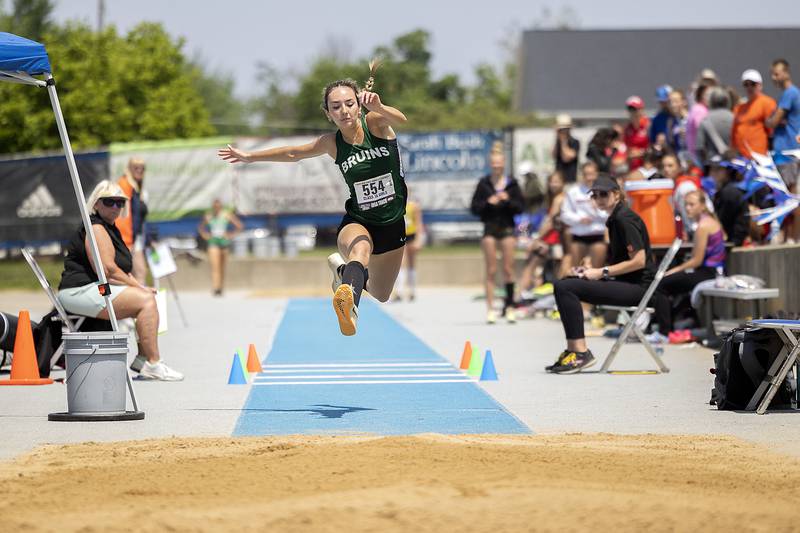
(38,202)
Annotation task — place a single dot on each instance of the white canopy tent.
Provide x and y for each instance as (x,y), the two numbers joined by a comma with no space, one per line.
(21,61)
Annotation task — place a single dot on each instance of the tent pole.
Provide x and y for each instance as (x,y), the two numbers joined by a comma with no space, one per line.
(87,224)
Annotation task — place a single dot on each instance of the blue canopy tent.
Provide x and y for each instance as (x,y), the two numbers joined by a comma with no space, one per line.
(21,61)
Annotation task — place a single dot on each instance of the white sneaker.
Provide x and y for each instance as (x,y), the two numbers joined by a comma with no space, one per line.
(491,317)
(334,262)
(511,316)
(159,372)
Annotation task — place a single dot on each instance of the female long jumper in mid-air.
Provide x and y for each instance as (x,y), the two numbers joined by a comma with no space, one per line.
(372,232)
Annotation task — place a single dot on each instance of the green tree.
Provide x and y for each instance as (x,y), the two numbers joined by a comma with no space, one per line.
(112,88)
(227,113)
(404,81)
(28,18)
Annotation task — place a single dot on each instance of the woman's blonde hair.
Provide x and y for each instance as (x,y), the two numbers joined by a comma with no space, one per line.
(107,189)
(702,199)
(132,162)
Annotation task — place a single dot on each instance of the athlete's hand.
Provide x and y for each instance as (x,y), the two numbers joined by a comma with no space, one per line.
(370,100)
(234,155)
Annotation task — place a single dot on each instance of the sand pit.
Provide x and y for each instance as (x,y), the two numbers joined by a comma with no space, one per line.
(425,483)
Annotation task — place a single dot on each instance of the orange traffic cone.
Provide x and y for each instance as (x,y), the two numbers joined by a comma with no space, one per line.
(24,367)
(466,355)
(253,362)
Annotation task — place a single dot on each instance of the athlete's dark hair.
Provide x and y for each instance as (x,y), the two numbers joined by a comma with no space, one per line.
(349,82)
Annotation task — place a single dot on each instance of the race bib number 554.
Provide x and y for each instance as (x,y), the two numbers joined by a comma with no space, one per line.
(374,191)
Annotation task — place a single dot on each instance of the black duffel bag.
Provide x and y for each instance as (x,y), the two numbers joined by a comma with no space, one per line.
(740,366)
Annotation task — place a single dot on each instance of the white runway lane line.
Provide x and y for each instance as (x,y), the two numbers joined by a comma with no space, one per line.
(359,374)
(270,367)
(465,379)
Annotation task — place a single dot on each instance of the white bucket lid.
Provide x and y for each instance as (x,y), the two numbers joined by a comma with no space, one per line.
(650,185)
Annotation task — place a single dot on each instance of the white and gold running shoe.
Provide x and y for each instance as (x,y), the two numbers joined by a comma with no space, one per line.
(335,261)
(345,308)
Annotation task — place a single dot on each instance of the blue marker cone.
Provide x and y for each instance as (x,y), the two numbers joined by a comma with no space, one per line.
(488,373)
(237,376)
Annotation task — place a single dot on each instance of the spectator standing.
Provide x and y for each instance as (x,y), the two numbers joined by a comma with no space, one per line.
(661,123)
(697,113)
(714,133)
(786,120)
(566,149)
(750,132)
(635,135)
(680,114)
(497,199)
(131,225)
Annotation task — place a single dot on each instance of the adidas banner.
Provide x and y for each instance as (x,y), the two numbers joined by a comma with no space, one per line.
(38,203)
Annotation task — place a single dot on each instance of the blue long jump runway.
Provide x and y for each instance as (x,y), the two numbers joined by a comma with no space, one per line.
(384,381)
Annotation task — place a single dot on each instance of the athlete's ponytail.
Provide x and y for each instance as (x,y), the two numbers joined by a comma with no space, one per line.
(373,68)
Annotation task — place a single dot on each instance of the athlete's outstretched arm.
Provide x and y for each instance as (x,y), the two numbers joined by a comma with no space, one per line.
(326,144)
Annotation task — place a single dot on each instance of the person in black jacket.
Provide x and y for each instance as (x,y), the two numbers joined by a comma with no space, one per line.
(623,281)
(730,204)
(497,199)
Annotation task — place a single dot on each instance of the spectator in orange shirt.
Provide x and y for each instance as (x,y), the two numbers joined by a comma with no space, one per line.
(750,132)
(131,226)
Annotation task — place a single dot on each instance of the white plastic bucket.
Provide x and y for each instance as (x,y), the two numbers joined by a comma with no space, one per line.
(96,371)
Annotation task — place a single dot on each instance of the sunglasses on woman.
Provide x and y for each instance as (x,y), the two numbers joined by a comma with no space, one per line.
(599,194)
(114,202)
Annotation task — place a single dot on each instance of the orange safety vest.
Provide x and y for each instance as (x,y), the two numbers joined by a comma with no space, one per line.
(125,224)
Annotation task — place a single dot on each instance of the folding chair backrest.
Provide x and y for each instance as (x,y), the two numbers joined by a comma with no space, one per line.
(37,271)
(662,268)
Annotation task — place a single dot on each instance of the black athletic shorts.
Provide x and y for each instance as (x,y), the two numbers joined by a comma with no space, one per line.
(498,231)
(588,239)
(384,238)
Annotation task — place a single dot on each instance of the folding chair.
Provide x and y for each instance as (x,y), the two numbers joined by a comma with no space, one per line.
(632,314)
(788,356)
(67,320)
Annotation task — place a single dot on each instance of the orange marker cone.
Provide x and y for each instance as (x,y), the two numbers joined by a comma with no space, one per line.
(253,361)
(465,356)
(24,367)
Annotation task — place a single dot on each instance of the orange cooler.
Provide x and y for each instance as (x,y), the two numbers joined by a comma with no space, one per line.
(652,200)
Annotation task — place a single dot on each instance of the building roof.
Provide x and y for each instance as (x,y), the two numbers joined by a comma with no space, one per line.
(590,73)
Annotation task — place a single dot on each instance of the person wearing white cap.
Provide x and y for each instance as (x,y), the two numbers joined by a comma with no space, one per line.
(750,133)
(566,149)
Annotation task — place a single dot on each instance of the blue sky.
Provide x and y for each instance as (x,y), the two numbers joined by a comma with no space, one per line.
(234,35)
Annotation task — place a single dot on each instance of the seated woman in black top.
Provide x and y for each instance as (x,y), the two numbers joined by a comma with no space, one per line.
(78,290)
(630,264)
(496,200)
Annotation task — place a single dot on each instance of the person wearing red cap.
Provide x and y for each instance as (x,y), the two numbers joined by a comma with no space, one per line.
(636,134)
